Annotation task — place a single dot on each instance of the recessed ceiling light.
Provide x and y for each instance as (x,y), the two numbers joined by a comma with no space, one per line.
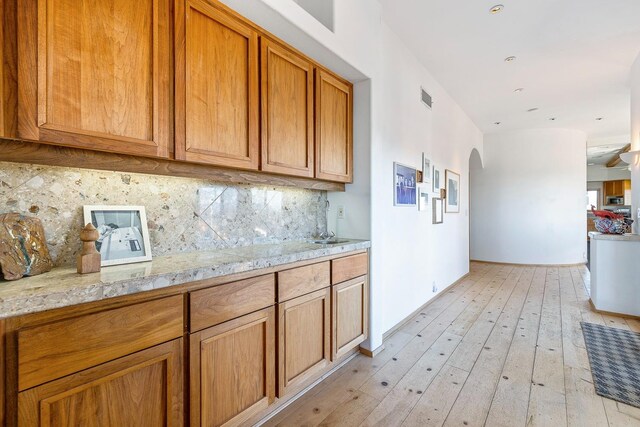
(531,110)
(509,59)
(552,118)
(496,9)
(591,164)
(599,118)
(496,123)
(520,89)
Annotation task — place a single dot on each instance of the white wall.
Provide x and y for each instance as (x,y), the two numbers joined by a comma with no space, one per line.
(408,253)
(635,142)
(529,200)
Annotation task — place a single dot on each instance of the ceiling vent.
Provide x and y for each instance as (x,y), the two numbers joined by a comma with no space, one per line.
(425,98)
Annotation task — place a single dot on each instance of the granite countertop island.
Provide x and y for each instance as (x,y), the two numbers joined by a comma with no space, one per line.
(63,287)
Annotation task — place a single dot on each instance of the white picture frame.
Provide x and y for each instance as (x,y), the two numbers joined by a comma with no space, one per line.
(452,182)
(437,180)
(124,235)
(426,169)
(438,211)
(423,197)
(404,185)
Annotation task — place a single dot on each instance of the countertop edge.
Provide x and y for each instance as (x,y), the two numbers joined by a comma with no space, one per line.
(39,298)
(615,237)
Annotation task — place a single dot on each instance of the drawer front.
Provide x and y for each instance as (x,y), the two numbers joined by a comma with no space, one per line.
(349,267)
(302,280)
(51,351)
(215,305)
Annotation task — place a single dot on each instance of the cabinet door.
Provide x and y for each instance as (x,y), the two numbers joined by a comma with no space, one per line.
(303,340)
(142,389)
(96,74)
(216,87)
(608,189)
(334,128)
(233,370)
(349,315)
(287,111)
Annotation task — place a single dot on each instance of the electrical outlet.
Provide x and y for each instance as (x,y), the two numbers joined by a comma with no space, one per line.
(341,212)
(638,213)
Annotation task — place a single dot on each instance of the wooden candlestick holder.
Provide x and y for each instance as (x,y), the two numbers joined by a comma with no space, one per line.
(89,258)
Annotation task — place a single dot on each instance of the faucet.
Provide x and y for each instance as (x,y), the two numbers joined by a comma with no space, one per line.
(327,235)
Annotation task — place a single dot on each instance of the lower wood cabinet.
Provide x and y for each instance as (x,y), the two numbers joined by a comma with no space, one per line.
(142,389)
(303,339)
(233,370)
(349,315)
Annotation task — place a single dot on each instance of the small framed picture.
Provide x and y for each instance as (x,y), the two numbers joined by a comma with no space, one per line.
(436,180)
(452,181)
(124,236)
(404,179)
(426,169)
(419,176)
(423,197)
(438,213)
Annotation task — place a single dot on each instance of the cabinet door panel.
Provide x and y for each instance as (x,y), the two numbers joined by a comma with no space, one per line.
(233,370)
(304,332)
(349,315)
(216,87)
(287,112)
(103,74)
(334,129)
(143,389)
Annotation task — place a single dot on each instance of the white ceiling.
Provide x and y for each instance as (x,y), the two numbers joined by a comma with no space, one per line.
(573,59)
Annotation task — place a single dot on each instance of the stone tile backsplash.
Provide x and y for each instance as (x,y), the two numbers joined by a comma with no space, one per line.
(183,214)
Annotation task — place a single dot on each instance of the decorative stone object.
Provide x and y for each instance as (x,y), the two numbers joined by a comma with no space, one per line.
(23,248)
(89,259)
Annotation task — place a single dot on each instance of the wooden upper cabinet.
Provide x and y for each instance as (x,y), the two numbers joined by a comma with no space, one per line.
(287,111)
(96,74)
(334,128)
(142,389)
(217,103)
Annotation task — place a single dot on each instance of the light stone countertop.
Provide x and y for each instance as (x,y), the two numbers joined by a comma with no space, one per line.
(619,237)
(63,287)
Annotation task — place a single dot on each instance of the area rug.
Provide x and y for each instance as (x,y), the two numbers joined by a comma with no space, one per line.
(614,355)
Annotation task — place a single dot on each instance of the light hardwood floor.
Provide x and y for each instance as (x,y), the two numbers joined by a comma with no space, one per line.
(502,348)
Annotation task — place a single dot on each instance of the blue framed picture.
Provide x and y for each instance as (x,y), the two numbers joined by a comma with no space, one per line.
(404,185)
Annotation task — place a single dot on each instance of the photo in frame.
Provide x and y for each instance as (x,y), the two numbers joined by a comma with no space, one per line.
(423,197)
(438,212)
(124,236)
(426,169)
(404,180)
(437,180)
(452,186)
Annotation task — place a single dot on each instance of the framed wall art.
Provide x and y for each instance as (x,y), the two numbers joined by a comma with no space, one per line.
(452,181)
(437,177)
(438,213)
(426,169)
(423,197)
(124,236)
(404,180)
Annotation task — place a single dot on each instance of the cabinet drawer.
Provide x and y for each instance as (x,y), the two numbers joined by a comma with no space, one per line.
(302,280)
(349,267)
(215,305)
(51,351)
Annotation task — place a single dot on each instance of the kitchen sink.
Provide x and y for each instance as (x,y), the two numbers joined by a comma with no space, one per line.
(332,241)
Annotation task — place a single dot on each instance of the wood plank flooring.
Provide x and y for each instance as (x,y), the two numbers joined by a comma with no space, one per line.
(502,348)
